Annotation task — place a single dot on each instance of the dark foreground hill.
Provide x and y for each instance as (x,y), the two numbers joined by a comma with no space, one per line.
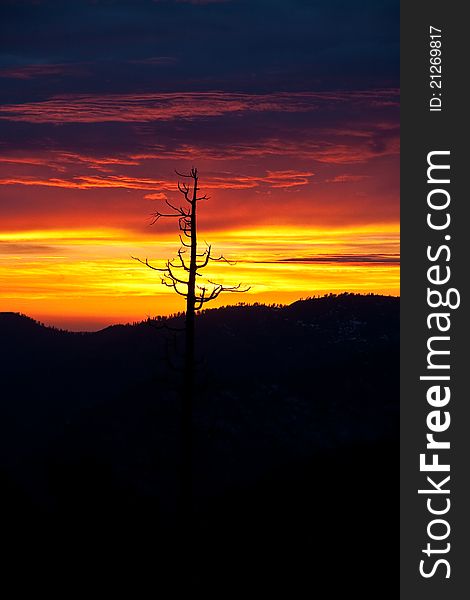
(295,446)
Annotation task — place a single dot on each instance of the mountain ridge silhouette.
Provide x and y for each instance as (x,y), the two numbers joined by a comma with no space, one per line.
(295,437)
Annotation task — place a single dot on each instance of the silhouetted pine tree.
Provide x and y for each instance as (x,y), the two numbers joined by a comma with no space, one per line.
(181,274)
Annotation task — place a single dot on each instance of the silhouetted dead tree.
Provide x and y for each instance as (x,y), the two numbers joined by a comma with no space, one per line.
(181,274)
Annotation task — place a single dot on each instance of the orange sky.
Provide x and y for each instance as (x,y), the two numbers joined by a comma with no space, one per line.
(301,218)
(300,159)
(296,225)
(86,278)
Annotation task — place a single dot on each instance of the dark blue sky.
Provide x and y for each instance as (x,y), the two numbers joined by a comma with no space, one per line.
(251,45)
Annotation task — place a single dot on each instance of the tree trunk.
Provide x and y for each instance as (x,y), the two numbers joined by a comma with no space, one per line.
(189,368)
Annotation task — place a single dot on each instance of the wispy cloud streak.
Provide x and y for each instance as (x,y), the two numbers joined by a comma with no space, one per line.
(274,179)
(185,105)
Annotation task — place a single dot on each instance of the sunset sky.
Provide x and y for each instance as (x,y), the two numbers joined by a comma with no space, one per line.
(288,108)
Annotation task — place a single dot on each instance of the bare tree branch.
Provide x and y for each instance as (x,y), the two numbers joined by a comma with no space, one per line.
(168,282)
(222,258)
(207,255)
(158,215)
(233,288)
(173,276)
(184,189)
(183,243)
(184,174)
(147,264)
(180,210)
